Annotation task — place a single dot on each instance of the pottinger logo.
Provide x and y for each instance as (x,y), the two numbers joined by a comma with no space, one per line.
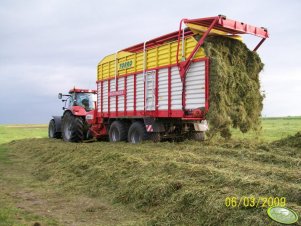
(126,65)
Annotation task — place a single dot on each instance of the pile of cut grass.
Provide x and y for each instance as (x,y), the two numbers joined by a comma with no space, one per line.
(235,98)
(173,184)
(290,141)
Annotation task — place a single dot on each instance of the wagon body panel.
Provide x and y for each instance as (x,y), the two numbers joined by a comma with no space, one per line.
(158,92)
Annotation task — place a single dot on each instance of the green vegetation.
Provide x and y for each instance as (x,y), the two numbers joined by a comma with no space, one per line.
(171,183)
(17,132)
(5,217)
(235,98)
(292,141)
(3,154)
(166,183)
(8,214)
(156,184)
(272,129)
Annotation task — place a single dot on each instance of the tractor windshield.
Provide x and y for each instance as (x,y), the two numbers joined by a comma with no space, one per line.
(85,100)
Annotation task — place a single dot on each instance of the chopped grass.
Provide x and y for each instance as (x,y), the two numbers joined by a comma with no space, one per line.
(3,154)
(291,141)
(11,216)
(5,217)
(172,183)
(235,98)
(162,184)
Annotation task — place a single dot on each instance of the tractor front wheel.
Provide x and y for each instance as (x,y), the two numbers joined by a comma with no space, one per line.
(52,133)
(72,128)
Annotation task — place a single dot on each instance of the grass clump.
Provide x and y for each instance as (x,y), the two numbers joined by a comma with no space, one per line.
(290,141)
(5,217)
(235,98)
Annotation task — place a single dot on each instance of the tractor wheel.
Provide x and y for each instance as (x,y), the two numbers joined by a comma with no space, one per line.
(72,128)
(118,131)
(198,136)
(137,133)
(52,130)
(155,137)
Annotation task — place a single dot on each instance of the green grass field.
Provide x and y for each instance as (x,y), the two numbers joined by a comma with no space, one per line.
(18,132)
(187,183)
(273,129)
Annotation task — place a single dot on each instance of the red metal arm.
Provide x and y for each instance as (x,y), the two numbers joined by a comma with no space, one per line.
(231,26)
(179,38)
(259,44)
(185,65)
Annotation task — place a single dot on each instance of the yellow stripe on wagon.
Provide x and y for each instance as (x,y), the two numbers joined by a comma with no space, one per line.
(127,62)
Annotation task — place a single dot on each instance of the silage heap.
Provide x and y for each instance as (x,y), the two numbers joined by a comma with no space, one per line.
(290,141)
(235,98)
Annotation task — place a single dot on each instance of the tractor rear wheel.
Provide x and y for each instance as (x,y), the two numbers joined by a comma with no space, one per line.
(137,133)
(118,131)
(72,128)
(52,133)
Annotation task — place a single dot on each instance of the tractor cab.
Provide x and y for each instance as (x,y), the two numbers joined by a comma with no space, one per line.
(83,98)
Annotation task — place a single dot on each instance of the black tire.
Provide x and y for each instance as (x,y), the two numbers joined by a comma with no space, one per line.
(155,137)
(52,130)
(72,128)
(137,133)
(118,131)
(198,136)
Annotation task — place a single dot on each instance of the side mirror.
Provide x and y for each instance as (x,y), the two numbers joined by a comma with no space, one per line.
(60,96)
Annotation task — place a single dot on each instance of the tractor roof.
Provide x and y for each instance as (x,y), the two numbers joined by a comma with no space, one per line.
(77,90)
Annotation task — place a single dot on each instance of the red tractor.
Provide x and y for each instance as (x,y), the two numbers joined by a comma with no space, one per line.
(72,126)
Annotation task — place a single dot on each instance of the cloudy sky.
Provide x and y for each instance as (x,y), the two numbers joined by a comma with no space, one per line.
(49,46)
